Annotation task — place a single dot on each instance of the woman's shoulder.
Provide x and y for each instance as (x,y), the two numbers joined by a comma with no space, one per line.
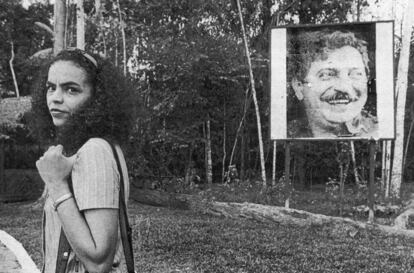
(94,144)
(95,148)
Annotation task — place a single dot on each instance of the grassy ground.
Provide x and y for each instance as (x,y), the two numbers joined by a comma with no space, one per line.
(167,240)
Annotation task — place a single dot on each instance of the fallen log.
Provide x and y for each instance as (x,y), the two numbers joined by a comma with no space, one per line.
(262,213)
(283,215)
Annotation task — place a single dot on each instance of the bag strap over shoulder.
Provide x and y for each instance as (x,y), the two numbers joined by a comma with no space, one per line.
(126,232)
(125,229)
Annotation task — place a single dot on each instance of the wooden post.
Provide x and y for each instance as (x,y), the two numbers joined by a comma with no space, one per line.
(386,167)
(341,188)
(287,172)
(371,180)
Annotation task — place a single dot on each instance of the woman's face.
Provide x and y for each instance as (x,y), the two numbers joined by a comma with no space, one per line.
(68,89)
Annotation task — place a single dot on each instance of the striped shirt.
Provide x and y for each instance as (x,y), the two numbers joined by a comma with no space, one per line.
(95,180)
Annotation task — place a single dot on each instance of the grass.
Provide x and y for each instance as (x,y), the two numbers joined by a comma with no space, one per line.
(168,240)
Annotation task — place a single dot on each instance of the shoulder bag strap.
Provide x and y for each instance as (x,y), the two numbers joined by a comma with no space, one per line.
(126,232)
(63,253)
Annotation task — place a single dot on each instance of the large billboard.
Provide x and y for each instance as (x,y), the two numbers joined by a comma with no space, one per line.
(332,82)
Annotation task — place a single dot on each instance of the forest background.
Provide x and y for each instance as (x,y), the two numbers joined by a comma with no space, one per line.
(186,61)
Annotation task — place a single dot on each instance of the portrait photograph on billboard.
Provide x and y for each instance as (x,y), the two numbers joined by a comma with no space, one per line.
(332,82)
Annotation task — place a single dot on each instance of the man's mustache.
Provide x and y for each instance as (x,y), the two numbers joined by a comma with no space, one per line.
(334,96)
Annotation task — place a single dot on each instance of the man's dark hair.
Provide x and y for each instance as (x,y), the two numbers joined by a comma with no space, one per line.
(306,46)
(108,114)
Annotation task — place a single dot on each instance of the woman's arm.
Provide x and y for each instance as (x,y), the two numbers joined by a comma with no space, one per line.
(93,236)
(93,233)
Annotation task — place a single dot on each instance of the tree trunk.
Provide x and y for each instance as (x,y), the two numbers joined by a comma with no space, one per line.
(408,136)
(16,87)
(60,26)
(407,145)
(300,165)
(280,215)
(223,170)
(274,164)
(401,96)
(387,146)
(354,165)
(99,22)
(358,10)
(209,169)
(98,11)
(70,25)
(253,88)
(80,25)
(205,149)
(69,32)
(122,25)
(187,179)
(116,49)
(242,156)
(241,124)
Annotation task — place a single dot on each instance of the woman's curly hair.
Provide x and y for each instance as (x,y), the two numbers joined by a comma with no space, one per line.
(108,114)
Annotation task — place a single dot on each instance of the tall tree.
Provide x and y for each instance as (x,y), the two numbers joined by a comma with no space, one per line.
(401,95)
(209,163)
(60,26)
(80,25)
(253,89)
(122,27)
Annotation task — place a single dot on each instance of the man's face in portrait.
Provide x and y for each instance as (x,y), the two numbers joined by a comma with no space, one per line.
(334,89)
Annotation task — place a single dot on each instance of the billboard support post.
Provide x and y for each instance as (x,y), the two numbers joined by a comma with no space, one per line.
(372,146)
(287,174)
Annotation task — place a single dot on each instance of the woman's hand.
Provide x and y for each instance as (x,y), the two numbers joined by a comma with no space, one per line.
(55,168)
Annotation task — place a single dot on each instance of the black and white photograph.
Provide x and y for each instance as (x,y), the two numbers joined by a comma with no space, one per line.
(338,82)
(213,136)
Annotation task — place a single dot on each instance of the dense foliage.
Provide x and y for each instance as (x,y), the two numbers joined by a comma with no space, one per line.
(187,64)
(17,27)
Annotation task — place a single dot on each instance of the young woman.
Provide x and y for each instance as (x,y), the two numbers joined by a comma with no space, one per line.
(81,102)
